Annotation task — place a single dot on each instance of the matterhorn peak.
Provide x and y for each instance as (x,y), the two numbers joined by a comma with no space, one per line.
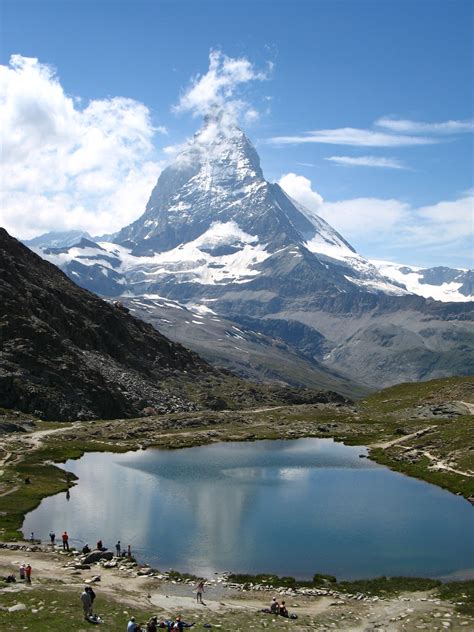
(214,191)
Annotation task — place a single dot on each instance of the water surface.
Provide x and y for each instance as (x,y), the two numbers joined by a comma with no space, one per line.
(289,507)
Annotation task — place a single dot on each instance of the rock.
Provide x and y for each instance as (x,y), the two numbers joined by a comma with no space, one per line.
(18,607)
(111,564)
(96,556)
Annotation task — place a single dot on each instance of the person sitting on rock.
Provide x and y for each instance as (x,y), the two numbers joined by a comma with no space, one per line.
(99,545)
(274,606)
(86,549)
(283,612)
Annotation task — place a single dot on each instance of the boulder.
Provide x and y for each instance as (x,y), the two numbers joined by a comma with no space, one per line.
(96,556)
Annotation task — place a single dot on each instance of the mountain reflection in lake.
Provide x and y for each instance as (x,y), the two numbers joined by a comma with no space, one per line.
(288,507)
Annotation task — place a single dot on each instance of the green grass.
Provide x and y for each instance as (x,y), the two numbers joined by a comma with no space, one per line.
(387,586)
(380,586)
(407,395)
(460,593)
(62,611)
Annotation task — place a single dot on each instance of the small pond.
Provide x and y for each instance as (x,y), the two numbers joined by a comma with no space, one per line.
(288,507)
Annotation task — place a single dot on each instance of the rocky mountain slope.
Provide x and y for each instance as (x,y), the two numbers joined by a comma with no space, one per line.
(67,354)
(217,235)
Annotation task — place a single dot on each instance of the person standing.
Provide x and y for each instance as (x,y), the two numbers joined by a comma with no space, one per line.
(65,538)
(199,591)
(86,604)
(118,548)
(22,571)
(52,537)
(28,574)
(92,594)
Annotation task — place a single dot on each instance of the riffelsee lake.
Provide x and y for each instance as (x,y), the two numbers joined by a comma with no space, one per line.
(289,507)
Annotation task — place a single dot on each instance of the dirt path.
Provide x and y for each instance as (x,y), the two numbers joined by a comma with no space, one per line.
(441,465)
(413,435)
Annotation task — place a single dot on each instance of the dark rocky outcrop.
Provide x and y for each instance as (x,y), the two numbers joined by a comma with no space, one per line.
(67,354)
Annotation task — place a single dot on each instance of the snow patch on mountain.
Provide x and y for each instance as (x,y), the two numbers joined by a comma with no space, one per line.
(417,281)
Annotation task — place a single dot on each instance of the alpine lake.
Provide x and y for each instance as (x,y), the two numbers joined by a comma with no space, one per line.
(289,507)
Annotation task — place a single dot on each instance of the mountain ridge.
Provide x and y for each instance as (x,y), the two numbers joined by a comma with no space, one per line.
(217,234)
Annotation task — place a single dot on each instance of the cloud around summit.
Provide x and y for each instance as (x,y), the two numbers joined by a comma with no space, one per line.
(215,92)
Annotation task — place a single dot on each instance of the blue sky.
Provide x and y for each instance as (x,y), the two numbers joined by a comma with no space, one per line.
(400,191)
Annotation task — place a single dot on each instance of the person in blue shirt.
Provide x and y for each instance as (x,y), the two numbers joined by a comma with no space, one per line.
(133,626)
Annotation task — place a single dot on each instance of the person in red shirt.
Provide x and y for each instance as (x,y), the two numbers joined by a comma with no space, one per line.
(65,538)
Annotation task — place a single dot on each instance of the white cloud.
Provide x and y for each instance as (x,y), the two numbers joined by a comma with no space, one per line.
(299,188)
(445,222)
(378,226)
(415,127)
(214,92)
(64,166)
(365,217)
(367,161)
(352,136)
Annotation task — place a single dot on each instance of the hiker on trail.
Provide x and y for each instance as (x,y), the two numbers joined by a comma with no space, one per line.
(199,591)
(86,603)
(65,539)
(52,537)
(118,548)
(274,606)
(28,574)
(132,626)
(283,610)
(22,571)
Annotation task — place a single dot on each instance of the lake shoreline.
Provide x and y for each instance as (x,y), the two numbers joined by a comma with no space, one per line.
(31,455)
(124,592)
(313,448)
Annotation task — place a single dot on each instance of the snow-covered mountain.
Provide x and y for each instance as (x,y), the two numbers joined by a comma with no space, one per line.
(213,219)
(440,283)
(217,235)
